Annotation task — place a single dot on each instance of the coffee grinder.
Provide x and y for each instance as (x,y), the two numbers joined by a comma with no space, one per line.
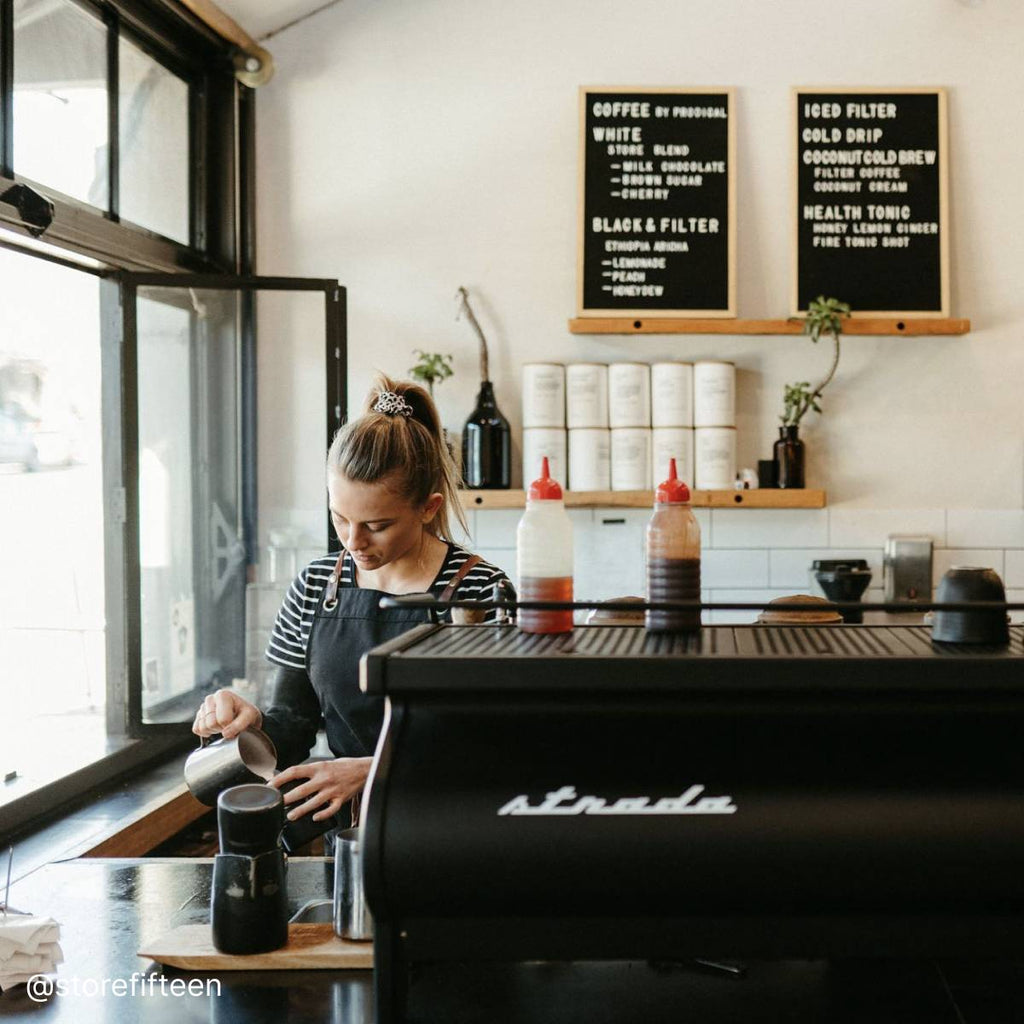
(248,899)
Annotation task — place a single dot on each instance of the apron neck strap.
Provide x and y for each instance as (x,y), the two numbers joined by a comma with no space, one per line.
(334,580)
(464,570)
(331,590)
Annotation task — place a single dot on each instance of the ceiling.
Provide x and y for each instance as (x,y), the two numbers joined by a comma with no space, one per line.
(258,17)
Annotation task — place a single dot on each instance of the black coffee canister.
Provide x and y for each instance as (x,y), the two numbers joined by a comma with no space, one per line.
(984,626)
(248,896)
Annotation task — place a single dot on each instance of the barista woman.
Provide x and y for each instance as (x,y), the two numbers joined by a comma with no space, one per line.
(392,495)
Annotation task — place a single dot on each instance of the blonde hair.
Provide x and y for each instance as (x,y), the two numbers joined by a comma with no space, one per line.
(410,446)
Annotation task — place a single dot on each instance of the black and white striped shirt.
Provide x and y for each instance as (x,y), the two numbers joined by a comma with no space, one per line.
(290,635)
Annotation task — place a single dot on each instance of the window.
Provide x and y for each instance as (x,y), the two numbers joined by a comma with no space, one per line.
(60,99)
(104,111)
(127,117)
(52,618)
(153,119)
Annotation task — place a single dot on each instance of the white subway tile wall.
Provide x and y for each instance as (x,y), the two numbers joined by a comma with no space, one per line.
(869,528)
(771,528)
(977,528)
(748,554)
(1014,568)
(734,568)
(761,554)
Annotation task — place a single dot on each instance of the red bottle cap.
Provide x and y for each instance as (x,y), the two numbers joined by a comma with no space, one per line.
(544,488)
(673,491)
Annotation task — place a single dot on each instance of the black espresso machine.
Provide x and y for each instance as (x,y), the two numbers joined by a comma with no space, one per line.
(611,794)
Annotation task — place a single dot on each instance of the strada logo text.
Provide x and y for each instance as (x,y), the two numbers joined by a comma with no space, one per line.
(565,801)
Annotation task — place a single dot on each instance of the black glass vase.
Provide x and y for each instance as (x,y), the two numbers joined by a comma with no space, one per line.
(487,445)
(789,458)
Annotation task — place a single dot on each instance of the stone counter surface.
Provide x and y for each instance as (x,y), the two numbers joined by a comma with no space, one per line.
(108,908)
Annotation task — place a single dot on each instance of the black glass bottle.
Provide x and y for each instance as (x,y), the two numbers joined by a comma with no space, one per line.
(487,444)
(789,458)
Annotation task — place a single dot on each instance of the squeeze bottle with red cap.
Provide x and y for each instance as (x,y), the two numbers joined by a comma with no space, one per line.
(544,556)
(673,556)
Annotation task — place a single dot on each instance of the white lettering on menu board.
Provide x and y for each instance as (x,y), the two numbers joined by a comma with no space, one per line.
(872,174)
(657,170)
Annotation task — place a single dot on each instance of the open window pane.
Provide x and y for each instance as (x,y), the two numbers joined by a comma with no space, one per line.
(192,562)
(153,124)
(60,98)
(205,609)
(52,620)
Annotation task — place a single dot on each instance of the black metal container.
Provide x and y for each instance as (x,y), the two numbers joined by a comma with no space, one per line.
(248,895)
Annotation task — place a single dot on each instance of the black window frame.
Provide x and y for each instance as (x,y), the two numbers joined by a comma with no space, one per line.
(336,361)
(222,244)
(188,49)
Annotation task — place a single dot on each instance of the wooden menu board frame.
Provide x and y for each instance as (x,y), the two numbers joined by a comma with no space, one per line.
(728,271)
(871,93)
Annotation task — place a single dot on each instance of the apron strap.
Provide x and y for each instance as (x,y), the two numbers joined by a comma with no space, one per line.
(331,590)
(467,566)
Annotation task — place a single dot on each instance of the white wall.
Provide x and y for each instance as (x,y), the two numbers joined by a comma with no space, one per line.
(410,146)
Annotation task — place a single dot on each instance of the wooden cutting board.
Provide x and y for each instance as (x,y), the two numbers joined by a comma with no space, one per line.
(310,946)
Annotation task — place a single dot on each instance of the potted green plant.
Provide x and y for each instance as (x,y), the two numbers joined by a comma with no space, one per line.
(824,316)
(432,368)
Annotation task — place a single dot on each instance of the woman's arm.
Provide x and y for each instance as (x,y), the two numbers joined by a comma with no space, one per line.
(294,716)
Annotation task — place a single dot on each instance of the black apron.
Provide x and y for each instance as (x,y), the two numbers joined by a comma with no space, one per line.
(347,623)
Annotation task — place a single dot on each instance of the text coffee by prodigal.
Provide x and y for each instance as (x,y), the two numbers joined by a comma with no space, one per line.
(672,443)
(714,458)
(671,395)
(714,394)
(629,395)
(631,459)
(541,441)
(543,395)
(589,460)
(586,395)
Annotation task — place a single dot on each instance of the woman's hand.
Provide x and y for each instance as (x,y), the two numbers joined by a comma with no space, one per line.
(227,713)
(330,783)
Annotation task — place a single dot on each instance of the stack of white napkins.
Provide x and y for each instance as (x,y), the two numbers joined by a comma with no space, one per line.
(28,946)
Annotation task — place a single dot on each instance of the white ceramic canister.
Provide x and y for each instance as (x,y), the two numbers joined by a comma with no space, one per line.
(631,459)
(629,395)
(589,460)
(714,458)
(672,443)
(543,395)
(541,441)
(671,396)
(714,394)
(586,395)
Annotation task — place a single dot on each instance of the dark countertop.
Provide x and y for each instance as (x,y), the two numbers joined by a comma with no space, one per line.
(107,908)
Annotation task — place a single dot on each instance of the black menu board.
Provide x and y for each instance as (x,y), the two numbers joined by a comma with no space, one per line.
(871,187)
(657,196)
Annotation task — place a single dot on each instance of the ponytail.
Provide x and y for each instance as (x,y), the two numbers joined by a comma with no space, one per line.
(400,433)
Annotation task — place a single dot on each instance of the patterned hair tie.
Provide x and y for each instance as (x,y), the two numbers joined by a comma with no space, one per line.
(392,404)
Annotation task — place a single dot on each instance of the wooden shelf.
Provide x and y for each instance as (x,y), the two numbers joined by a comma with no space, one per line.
(665,325)
(644,499)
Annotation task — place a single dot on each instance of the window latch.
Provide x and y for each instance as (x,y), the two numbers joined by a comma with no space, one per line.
(35,210)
